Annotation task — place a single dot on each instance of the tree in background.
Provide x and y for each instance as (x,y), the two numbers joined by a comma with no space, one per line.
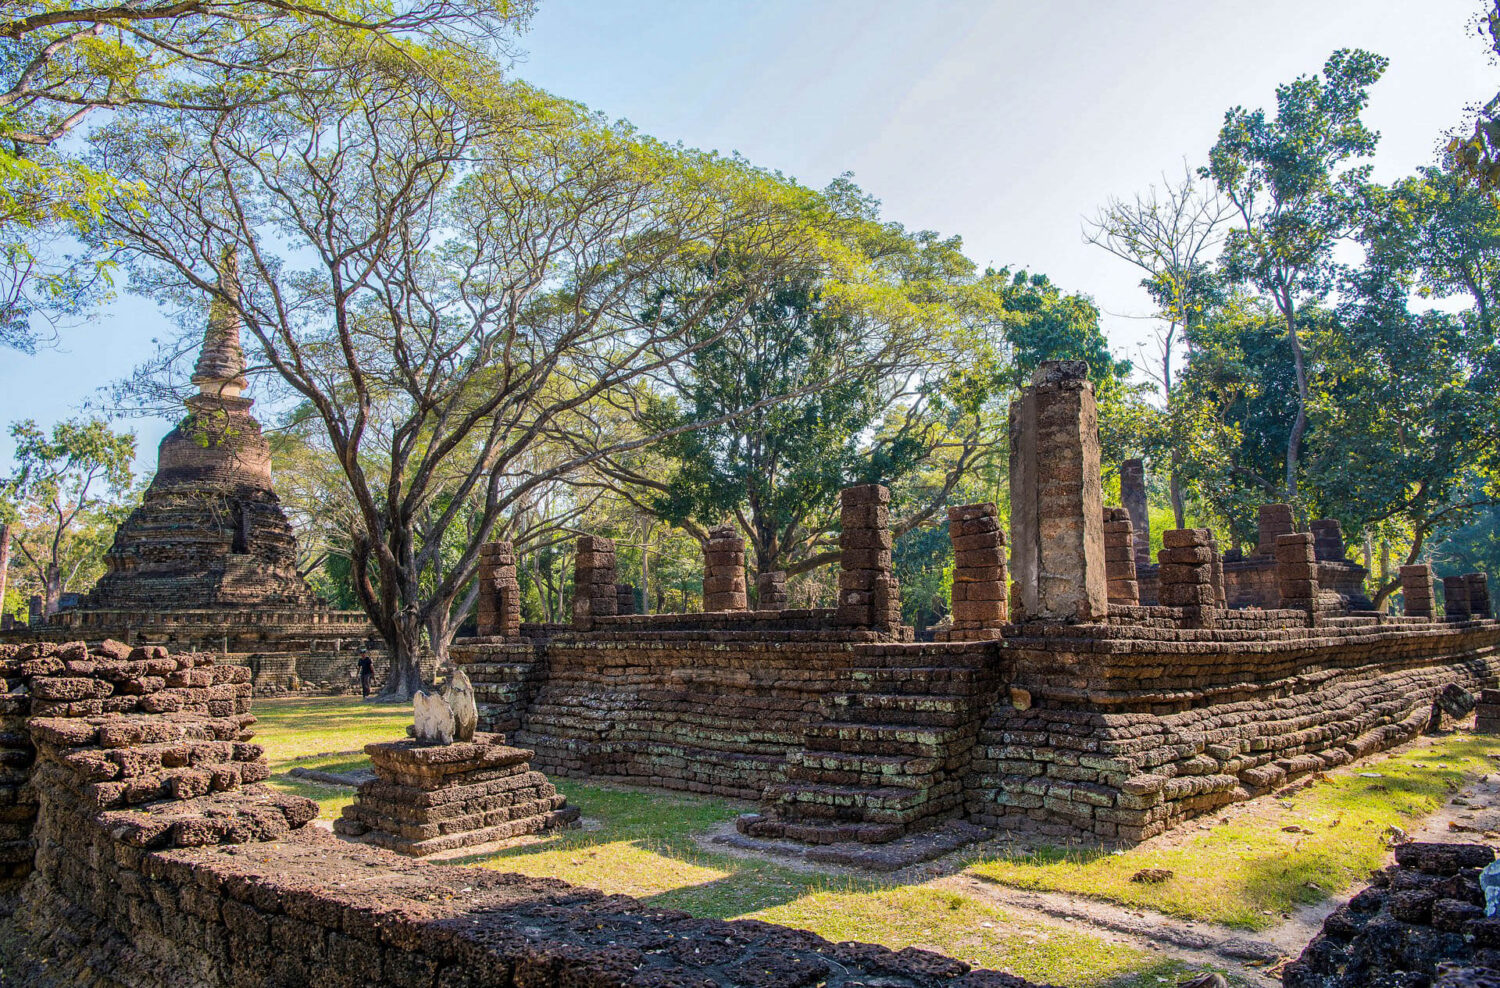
(66,63)
(1294,196)
(450,270)
(1171,235)
(889,380)
(65,498)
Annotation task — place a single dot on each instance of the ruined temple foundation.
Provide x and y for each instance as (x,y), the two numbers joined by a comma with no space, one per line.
(428,798)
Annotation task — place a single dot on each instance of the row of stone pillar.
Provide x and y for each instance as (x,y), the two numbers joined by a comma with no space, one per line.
(1463,596)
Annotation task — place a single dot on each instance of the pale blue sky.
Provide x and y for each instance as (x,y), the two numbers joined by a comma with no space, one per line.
(1002,122)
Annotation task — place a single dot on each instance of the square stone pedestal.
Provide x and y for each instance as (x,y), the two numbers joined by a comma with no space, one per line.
(428,798)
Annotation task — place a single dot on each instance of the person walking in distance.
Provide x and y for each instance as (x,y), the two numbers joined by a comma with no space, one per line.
(366,672)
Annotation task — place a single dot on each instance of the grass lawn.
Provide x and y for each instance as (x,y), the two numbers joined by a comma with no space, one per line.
(1246,872)
(641,843)
(328,733)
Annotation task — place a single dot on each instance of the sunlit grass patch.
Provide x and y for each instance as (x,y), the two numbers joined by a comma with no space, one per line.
(1248,872)
(327,733)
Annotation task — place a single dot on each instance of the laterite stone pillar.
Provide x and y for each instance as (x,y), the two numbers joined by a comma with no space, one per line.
(1056,496)
(499,606)
(1416,590)
(979,577)
(1119,557)
(868,593)
(1297,571)
(724,571)
(594,592)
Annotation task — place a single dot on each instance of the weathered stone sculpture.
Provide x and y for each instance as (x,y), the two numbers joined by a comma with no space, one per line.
(442,718)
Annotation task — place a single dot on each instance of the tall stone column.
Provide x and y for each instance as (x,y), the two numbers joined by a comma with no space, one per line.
(1119,556)
(1133,497)
(593,581)
(499,605)
(1328,539)
(1456,596)
(979,579)
(1275,521)
(1416,590)
(1479,594)
(1297,571)
(868,593)
(1221,598)
(724,571)
(1056,496)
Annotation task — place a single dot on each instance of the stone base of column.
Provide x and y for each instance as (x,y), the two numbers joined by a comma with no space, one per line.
(428,798)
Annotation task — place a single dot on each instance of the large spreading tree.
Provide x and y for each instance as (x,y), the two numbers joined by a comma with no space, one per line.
(454,274)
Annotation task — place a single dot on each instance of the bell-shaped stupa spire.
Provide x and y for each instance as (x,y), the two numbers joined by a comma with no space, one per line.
(220,371)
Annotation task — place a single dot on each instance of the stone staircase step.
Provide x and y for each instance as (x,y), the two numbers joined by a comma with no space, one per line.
(806,803)
(907,708)
(889,739)
(862,769)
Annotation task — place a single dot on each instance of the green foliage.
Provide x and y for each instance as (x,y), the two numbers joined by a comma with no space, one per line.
(1288,180)
(65,500)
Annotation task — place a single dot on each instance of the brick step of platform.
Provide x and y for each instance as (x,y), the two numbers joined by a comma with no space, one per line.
(889,739)
(926,655)
(754,825)
(919,680)
(917,710)
(803,802)
(861,769)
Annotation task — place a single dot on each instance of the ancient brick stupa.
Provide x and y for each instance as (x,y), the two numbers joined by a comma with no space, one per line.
(210,532)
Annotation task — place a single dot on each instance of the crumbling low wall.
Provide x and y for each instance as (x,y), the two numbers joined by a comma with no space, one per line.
(708,712)
(160,862)
(1124,731)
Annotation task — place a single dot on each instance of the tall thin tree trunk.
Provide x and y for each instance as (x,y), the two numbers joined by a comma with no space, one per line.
(1385,570)
(1299,424)
(4,560)
(1179,512)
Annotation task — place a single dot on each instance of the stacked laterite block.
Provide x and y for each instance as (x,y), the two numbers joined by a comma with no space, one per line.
(1216,576)
(1487,712)
(1456,602)
(1275,521)
(625,598)
(979,580)
(1186,569)
(1057,497)
(1119,557)
(428,798)
(869,596)
(1416,590)
(593,581)
(890,751)
(770,591)
(724,571)
(1421,921)
(499,606)
(1479,594)
(1297,571)
(1328,539)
